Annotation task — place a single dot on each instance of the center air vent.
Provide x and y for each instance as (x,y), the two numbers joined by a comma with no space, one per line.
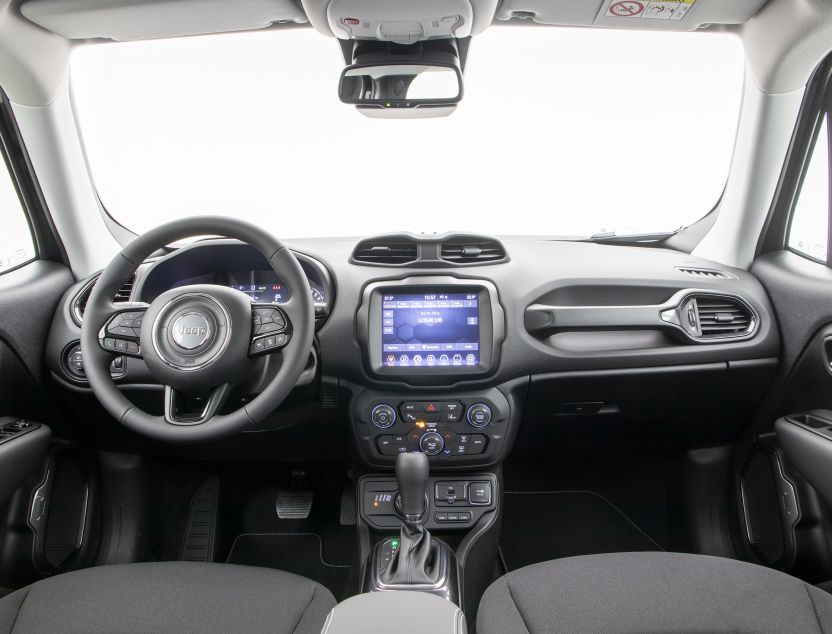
(383,251)
(80,302)
(472,251)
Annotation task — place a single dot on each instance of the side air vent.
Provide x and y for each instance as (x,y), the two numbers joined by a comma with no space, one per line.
(81,299)
(472,251)
(706,273)
(386,252)
(723,317)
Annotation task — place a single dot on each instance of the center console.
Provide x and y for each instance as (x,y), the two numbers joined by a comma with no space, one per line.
(429,345)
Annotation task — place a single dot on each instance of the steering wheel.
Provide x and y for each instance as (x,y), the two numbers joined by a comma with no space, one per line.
(197,340)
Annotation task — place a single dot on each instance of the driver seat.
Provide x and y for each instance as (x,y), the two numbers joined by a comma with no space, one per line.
(169,597)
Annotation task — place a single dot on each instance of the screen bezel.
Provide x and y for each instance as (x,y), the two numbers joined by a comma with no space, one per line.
(373,340)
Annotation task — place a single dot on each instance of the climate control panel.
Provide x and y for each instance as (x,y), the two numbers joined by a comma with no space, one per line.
(461,430)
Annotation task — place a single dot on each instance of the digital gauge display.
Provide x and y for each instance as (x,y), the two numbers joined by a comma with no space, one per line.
(264,293)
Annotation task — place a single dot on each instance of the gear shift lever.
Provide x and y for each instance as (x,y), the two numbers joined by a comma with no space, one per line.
(412,475)
(416,561)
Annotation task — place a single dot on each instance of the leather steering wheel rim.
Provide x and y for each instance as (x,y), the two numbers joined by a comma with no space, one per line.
(100,309)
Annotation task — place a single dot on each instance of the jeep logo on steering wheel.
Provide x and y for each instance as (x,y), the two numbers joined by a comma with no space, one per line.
(191,330)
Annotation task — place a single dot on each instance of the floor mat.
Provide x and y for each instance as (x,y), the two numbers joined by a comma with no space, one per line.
(539,526)
(300,553)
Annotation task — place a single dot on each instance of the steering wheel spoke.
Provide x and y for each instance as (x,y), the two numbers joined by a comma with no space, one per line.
(271,329)
(180,409)
(121,332)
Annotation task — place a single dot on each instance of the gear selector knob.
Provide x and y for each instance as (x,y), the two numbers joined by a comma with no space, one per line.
(412,475)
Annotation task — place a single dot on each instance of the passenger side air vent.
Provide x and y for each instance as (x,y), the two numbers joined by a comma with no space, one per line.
(386,251)
(80,302)
(472,251)
(706,273)
(720,316)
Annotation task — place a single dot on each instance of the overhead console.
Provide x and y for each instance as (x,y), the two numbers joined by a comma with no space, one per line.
(430,330)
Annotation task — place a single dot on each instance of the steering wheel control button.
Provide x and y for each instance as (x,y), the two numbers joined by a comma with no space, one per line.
(479,493)
(431,444)
(383,416)
(479,415)
(267,320)
(270,330)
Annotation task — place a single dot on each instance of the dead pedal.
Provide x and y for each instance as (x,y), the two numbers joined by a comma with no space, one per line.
(202,523)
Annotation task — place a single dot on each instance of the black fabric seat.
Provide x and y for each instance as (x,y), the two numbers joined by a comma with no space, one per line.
(652,592)
(168,597)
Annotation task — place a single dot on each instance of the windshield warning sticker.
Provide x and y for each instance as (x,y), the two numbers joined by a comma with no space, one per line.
(656,10)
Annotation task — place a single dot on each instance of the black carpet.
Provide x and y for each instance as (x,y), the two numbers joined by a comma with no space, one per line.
(300,553)
(539,526)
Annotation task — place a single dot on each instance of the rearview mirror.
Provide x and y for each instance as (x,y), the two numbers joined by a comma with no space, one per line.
(402,85)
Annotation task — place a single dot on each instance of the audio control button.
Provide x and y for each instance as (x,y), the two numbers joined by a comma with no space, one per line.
(479,415)
(383,416)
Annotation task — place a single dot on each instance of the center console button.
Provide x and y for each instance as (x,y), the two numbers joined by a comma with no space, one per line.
(479,415)
(451,417)
(476,443)
(432,444)
(450,492)
(479,493)
(448,436)
(453,406)
(386,445)
(432,406)
(411,406)
(459,449)
(383,416)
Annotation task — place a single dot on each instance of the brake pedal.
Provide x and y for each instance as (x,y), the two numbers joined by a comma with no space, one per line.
(294,503)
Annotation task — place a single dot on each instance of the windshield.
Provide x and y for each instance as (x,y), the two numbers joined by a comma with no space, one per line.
(562,132)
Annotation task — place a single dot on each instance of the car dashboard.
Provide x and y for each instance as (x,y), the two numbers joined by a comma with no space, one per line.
(467,348)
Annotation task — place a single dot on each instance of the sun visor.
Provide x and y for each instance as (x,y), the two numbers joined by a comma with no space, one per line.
(664,15)
(127,20)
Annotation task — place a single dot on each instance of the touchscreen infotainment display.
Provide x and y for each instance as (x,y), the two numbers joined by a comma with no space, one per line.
(431,329)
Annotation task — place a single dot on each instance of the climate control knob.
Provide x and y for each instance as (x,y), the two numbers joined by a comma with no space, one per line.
(383,416)
(479,415)
(431,444)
